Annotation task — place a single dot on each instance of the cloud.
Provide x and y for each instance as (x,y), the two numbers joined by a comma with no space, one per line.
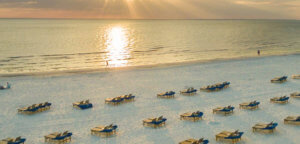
(152,9)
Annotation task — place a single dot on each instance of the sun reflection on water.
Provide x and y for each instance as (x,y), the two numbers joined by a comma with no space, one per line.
(116,47)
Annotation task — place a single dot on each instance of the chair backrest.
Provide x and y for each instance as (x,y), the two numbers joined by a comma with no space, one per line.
(59,135)
(18,139)
(65,133)
(160,118)
(235,133)
(271,123)
(201,140)
(108,127)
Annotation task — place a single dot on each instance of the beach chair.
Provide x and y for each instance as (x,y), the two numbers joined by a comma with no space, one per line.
(250,105)
(295,76)
(280,100)
(264,128)
(17,140)
(189,91)
(194,116)
(155,122)
(279,79)
(83,105)
(104,130)
(294,120)
(29,110)
(2,87)
(208,88)
(59,138)
(169,94)
(226,84)
(35,108)
(215,87)
(194,141)
(233,137)
(114,101)
(224,110)
(295,94)
(128,98)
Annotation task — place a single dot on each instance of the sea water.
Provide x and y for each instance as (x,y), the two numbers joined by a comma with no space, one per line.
(53,45)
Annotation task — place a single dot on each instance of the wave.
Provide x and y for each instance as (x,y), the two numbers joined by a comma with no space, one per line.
(107,69)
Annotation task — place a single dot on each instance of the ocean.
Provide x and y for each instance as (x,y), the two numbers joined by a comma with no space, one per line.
(53,45)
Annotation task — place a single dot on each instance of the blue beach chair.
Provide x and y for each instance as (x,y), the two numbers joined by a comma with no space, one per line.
(155,122)
(17,140)
(104,130)
(265,128)
(8,86)
(279,79)
(83,104)
(295,94)
(294,120)
(281,100)
(114,101)
(194,141)
(216,87)
(128,98)
(194,116)
(168,94)
(224,110)
(234,137)
(250,105)
(60,138)
(35,108)
(189,91)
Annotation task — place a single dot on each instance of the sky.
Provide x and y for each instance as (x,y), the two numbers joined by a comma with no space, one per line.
(151,9)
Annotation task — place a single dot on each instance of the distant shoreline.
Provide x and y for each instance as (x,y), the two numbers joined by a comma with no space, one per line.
(141,67)
(129,19)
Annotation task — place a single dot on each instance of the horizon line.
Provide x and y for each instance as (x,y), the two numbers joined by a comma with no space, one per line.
(148,19)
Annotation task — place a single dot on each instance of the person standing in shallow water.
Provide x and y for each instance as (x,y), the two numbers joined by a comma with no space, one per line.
(258,52)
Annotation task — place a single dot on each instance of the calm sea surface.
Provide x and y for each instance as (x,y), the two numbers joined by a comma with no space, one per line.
(43,45)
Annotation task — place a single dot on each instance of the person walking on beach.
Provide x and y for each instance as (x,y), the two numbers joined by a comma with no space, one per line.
(258,52)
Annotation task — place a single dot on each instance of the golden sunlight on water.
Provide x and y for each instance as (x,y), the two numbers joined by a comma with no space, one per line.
(116,46)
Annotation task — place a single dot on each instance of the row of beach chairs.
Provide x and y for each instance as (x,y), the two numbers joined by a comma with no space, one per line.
(36,108)
(106,131)
(214,87)
(283,79)
(120,99)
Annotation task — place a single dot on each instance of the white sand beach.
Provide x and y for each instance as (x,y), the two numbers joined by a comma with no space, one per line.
(250,80)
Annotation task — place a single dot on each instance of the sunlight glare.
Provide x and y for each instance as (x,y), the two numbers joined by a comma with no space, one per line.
(117,47)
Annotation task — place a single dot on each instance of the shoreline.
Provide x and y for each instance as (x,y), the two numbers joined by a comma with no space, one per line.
(140,67)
